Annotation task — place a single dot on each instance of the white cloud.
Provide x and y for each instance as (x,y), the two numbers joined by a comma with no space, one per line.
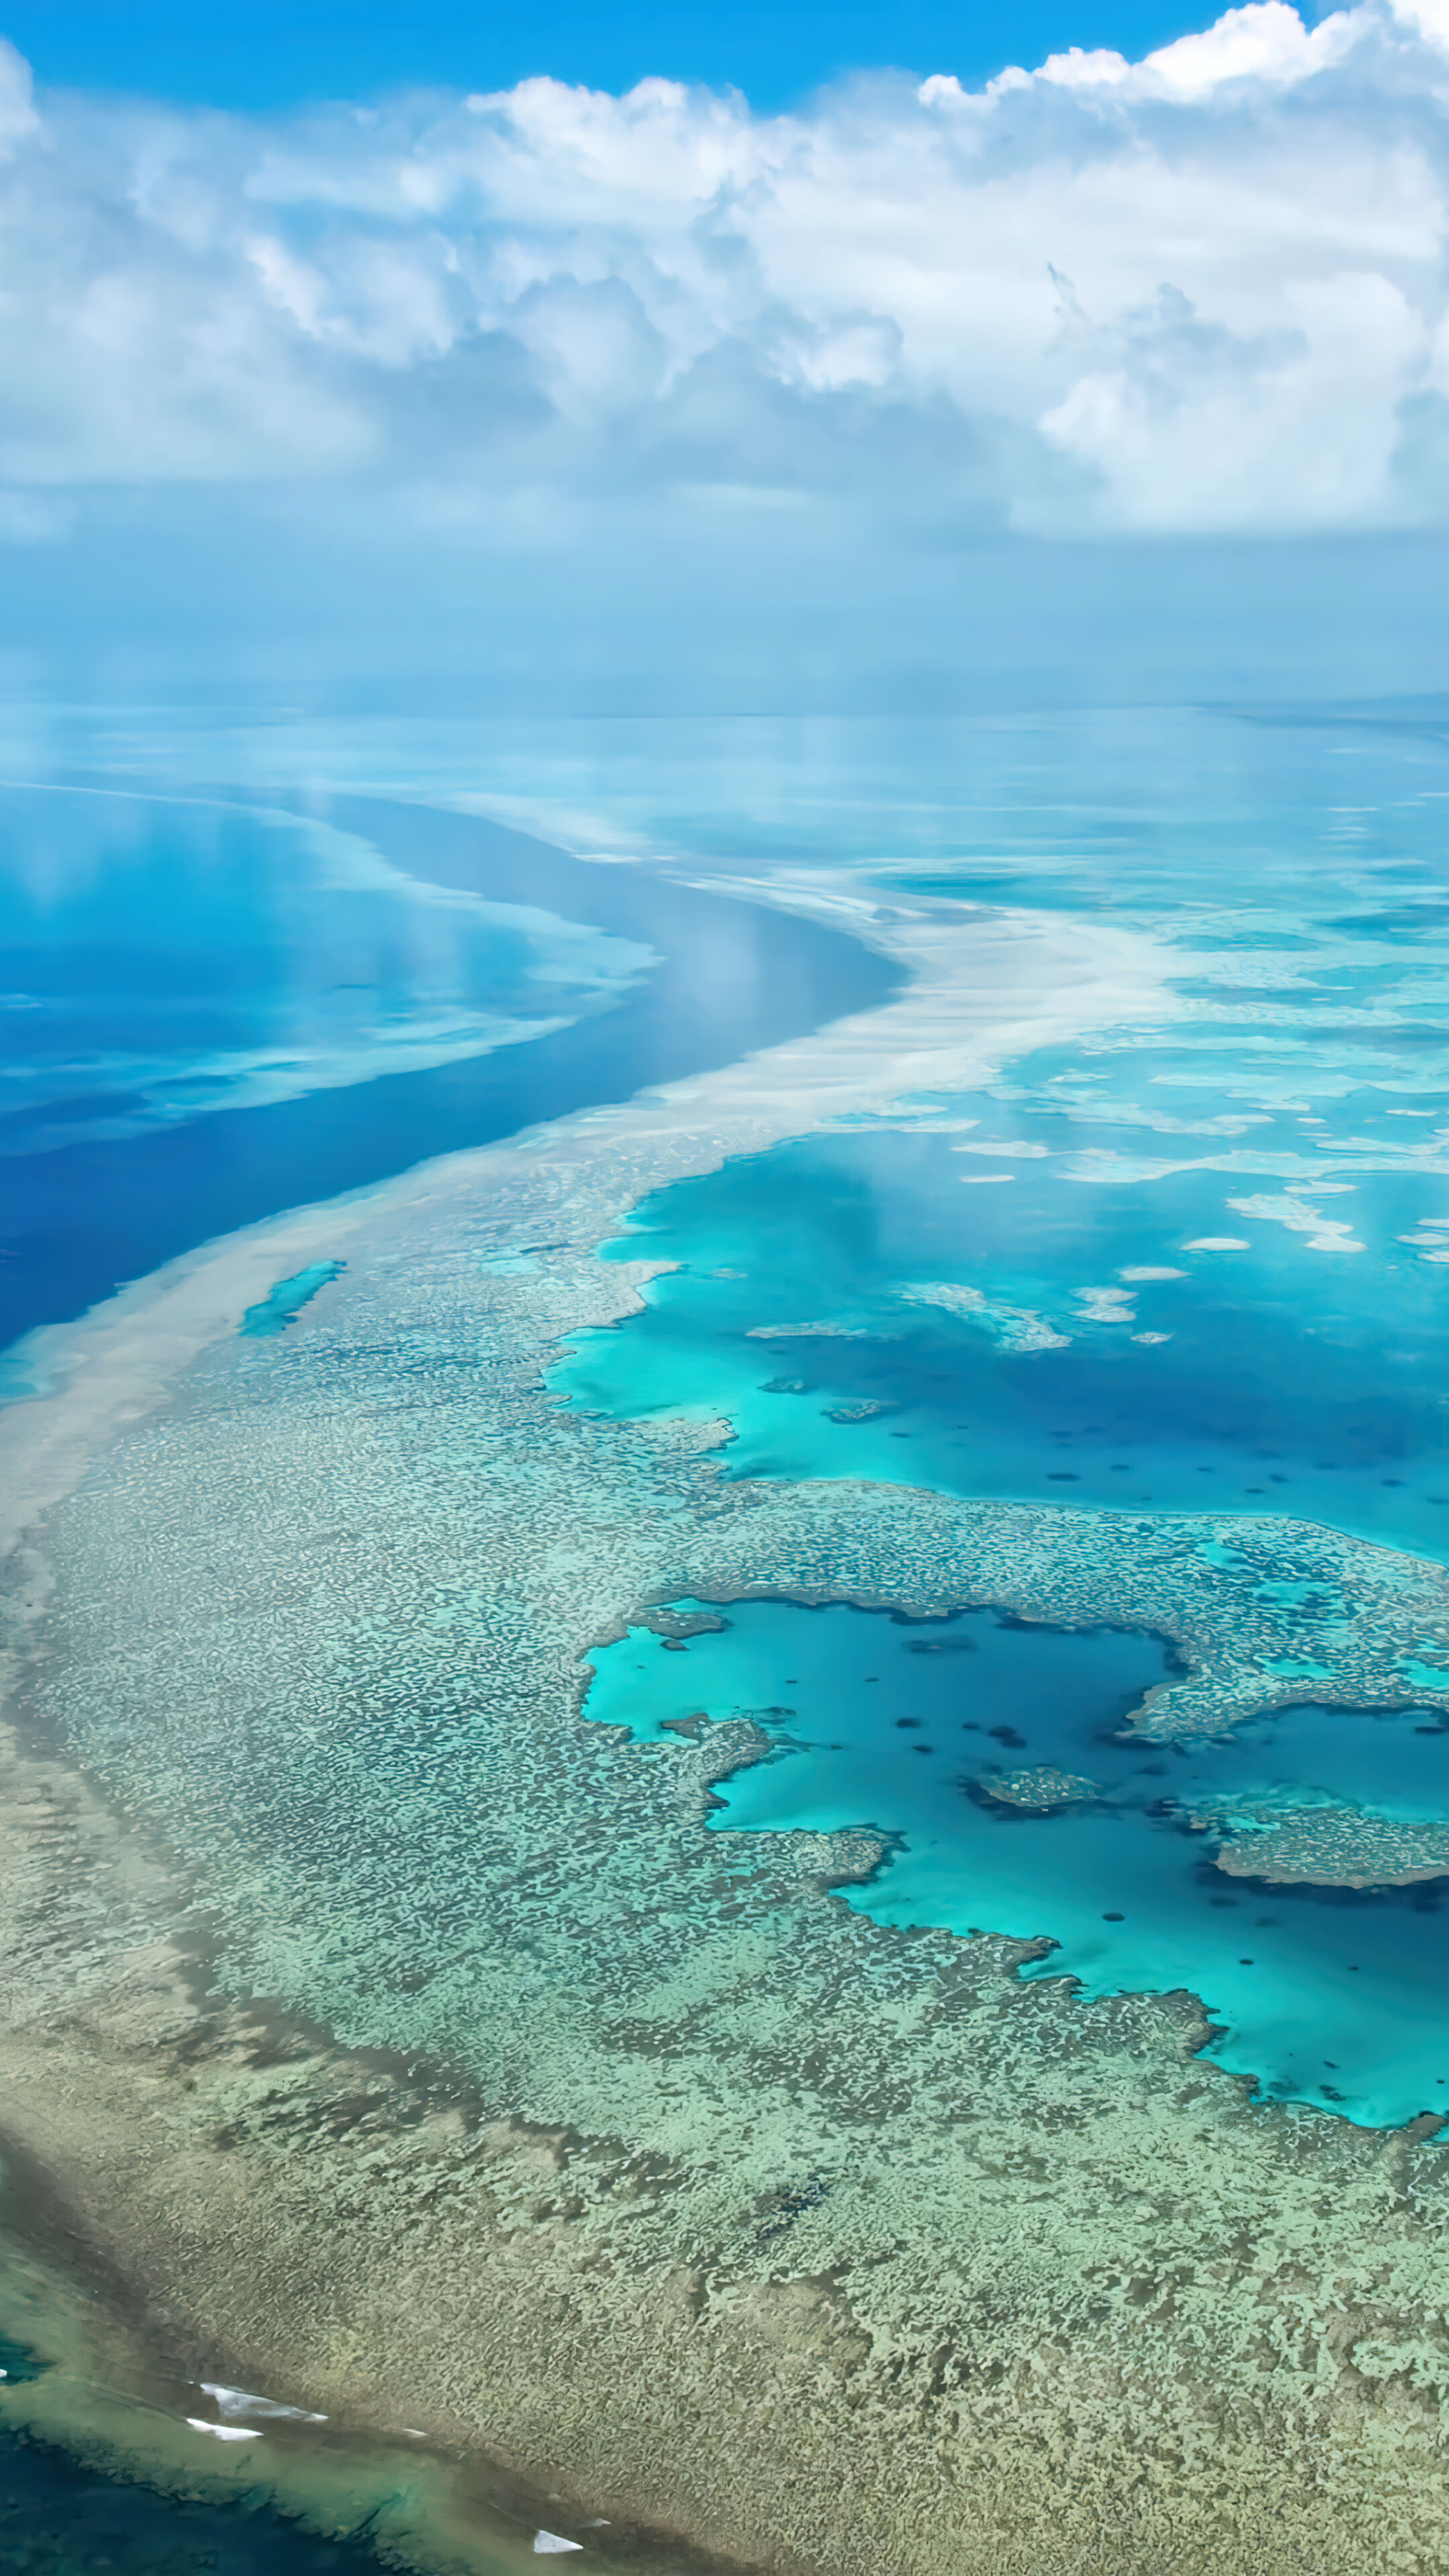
(1266,42)
(1427,18)
(1202,292)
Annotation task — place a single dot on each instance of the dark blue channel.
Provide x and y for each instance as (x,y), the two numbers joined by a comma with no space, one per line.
(60,2517)
(733,976)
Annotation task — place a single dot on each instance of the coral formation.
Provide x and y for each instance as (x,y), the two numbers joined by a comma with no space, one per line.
(636,2157)
(1319,1844)
(1040,1789)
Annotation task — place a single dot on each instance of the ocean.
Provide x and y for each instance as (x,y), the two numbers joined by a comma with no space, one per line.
(1119,1192)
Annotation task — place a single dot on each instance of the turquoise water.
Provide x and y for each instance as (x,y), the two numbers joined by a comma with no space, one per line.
(1275,1376)
(1193,1262)
(1323,1994)
(285,1301)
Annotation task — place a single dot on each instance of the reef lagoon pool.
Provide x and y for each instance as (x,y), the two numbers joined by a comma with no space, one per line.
(998,1762)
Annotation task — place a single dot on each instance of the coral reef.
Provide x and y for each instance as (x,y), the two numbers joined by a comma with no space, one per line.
(1040,1789)
(1319,1844)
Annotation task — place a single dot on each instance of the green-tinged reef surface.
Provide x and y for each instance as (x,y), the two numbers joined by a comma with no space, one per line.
(1041,1789)
(1314,1843)
(640,2156)
(705,2000)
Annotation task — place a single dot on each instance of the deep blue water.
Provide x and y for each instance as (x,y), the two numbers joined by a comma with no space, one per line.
(210,1017)
(60,2517)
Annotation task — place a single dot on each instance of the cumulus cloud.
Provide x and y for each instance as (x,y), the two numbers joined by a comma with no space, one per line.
(1266,42)
(1201,293)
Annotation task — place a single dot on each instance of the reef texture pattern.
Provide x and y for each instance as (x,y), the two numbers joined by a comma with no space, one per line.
(1315,1843)
(682,2185)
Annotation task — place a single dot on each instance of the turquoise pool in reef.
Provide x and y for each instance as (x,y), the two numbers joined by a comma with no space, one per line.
(933,1731)
(285,1301)
(1026,1300)
(1198,1261)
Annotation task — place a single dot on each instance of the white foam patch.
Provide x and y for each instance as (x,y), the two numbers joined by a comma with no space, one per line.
(236,2403)
(1429,1238)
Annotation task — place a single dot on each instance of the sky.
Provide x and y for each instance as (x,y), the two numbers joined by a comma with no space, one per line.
(546,379)
(276,53)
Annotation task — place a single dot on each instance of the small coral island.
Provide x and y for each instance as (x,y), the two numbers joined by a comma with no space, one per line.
(1040,1791)
(1323,1843)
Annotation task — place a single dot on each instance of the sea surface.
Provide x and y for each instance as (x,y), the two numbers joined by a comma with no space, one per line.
(1323,1990)
(214,1008)
(1195,1264)
(1197,1261)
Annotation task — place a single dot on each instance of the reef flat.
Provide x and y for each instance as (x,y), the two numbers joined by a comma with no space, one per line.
(1040,1789)
(929,2268)
(1260,1611)
(634,2158)
(1321,1845)
(823,2245)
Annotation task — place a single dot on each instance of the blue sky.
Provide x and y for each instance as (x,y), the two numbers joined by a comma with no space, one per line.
(273,53)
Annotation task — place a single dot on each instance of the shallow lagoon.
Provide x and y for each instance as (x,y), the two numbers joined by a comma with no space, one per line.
(975,1310)
(1323,1993)
(1197,1264)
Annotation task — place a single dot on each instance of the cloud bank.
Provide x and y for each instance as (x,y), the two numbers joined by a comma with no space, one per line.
(1203,296)
(1205,292)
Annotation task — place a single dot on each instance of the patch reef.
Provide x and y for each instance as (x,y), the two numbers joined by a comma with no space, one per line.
(677,2185)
